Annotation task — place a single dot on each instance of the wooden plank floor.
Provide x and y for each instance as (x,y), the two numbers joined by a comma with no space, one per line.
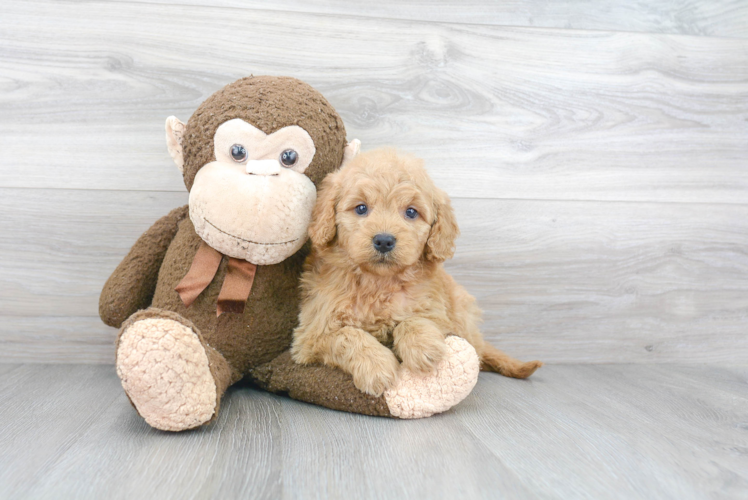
(721,18)
(572,431)
(558,280)
(595,151)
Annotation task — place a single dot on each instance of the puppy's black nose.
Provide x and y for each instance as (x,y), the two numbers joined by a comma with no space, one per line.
(384,242)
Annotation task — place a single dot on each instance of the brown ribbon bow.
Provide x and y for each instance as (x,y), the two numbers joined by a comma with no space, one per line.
(236,285)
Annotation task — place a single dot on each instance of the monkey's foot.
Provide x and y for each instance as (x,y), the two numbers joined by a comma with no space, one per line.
(165,372)
(418,396)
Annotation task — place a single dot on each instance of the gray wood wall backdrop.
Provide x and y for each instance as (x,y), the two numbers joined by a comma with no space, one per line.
(596,153)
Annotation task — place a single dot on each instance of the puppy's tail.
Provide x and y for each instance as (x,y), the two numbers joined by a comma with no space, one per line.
(494,360)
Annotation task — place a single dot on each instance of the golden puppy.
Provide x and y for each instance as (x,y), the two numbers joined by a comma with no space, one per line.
(380,232)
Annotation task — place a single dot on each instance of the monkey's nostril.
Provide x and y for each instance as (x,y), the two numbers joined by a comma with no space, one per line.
(384,242)
(262,167)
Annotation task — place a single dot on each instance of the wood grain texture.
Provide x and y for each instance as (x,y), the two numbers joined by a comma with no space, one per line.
(723,18)
(431,458)
(615,431)
(599,176)
(558,281)
(496,112)
(585,431)
(608,282)
(45,410)
(57,339)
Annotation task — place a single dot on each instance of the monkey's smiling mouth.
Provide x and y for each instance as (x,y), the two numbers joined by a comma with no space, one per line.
(248,241)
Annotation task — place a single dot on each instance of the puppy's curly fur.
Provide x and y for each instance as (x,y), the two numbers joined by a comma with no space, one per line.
(362,308)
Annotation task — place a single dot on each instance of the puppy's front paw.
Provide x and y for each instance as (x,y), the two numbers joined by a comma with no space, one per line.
(421,351)
(376,373)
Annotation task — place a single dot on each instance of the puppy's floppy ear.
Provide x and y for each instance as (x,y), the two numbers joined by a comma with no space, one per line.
(322,229)
(444,231)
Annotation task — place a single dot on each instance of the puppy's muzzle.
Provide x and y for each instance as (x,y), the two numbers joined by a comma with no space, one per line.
(383,242)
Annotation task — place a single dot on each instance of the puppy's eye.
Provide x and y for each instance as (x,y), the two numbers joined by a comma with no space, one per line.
(361,209)
(289,158)
(238,153)
(411,213)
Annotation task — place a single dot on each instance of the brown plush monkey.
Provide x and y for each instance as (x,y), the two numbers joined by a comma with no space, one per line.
(209,294)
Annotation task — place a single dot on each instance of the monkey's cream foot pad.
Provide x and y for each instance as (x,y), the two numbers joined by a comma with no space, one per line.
(165,372)
(417,396)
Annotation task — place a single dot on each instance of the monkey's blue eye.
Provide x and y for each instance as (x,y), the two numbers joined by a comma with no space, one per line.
(238,153)
(361,209)
(411,213)
(289,158)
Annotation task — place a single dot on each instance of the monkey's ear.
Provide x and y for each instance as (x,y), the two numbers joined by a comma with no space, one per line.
(351,150)
(322,229)
(174,134)
(444,231)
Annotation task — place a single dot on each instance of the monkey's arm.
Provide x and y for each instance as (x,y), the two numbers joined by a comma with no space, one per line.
(132,284)
(412,397)
(318,384)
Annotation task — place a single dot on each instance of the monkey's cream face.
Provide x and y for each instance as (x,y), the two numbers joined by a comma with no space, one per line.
(254,202)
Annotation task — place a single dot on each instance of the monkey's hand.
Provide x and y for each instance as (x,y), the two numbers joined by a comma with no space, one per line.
(132,285)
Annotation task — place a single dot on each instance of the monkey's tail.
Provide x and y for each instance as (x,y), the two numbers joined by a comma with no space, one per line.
(494,360)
